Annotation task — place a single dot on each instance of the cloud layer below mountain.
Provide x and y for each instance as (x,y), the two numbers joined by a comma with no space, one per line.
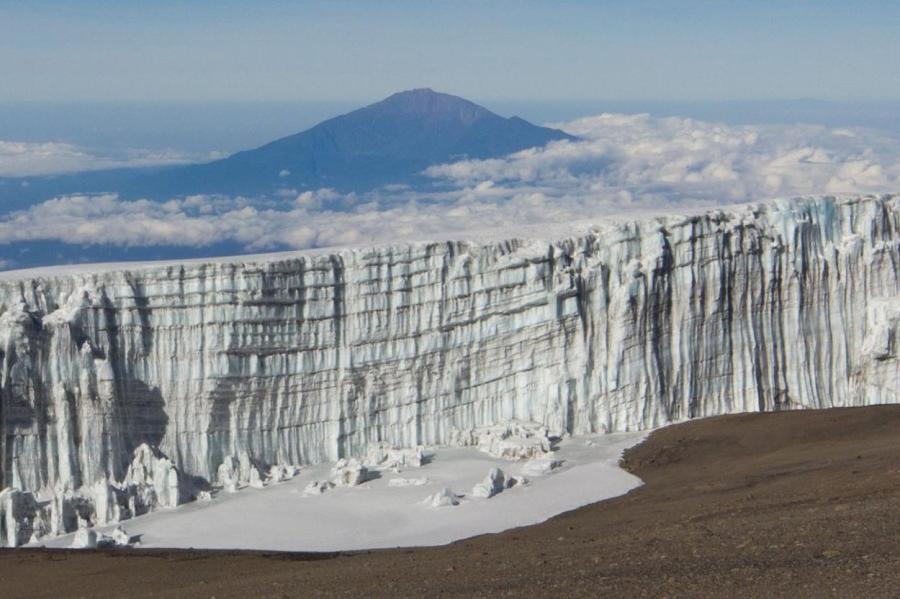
(24,159)
(622,163)
(635,155)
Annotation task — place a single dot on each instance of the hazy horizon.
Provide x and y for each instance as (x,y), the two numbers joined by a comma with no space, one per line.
(353,50)
(201,127)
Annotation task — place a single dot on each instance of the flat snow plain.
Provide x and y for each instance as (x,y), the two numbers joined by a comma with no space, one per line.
(376,515)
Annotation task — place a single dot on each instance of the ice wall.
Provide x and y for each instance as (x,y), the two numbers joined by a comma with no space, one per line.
(790,304)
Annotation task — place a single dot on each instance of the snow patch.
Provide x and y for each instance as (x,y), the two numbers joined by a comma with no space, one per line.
(541,466)
(380,513)
(407,482)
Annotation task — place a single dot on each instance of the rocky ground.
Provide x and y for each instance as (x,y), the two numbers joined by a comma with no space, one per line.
(799,504)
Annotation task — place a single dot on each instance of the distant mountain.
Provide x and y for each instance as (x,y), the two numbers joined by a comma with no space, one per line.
(386,142)
(390,141)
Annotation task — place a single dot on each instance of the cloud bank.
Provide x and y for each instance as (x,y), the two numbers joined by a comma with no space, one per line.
(23,159)
(622,163)
(689,159)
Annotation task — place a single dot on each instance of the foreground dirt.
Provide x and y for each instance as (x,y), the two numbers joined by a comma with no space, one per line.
(799,504)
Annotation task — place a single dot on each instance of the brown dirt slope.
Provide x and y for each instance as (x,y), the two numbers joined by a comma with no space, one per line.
(799,504)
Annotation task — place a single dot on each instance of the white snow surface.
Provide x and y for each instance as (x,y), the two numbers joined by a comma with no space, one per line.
(376,514)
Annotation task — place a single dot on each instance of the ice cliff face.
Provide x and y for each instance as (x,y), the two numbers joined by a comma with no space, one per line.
(631,325)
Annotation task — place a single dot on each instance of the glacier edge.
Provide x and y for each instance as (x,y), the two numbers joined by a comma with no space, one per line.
(787,304)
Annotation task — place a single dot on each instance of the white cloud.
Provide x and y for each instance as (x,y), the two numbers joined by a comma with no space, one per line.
(686,158)
(22,159)
(624,162)
(203,220)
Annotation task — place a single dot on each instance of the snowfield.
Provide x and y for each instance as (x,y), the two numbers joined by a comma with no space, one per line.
(378,514)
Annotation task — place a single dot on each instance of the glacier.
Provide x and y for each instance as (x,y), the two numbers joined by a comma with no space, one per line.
(624,324)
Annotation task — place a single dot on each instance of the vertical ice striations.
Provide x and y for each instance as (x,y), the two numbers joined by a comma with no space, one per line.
(312,357)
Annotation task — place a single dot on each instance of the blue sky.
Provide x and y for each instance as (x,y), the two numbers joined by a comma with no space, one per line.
(273,50)
(743,101)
